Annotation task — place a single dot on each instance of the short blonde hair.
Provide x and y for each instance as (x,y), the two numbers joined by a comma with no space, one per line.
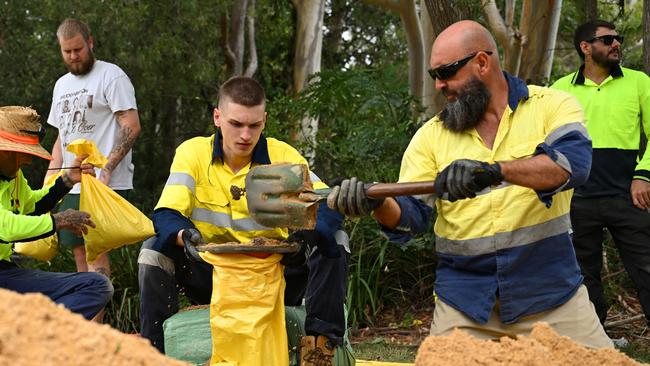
(71,27)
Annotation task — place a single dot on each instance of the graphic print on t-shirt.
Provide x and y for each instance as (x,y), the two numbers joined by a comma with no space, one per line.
(71,108)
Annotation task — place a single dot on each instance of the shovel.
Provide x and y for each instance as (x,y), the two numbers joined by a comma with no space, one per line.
(282,195)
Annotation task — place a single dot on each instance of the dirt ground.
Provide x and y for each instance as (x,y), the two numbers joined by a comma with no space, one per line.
(36,331)
(544,347)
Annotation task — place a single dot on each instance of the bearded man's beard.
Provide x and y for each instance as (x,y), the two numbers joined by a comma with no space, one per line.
(466,111)
(604,60)
(82,68)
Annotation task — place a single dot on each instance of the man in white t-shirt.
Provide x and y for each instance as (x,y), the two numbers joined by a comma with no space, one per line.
(95,100)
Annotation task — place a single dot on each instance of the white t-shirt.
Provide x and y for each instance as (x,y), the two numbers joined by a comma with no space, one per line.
(84,107)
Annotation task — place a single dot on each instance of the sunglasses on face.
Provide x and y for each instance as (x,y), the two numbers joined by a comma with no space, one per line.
(447,71)
(608,39)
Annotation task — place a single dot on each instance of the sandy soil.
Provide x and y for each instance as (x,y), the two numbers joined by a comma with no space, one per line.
(36,331)
(544,347)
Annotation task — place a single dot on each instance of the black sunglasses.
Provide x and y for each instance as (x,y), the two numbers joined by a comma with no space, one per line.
(608,39)
(447,71)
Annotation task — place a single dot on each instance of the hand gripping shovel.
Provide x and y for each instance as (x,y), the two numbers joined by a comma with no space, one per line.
(282,195)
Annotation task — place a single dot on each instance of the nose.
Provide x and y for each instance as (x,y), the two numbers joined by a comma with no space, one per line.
(440,84)
(246,134)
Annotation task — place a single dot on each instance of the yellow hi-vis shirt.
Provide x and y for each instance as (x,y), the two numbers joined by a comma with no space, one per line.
(199,186)
(509,241)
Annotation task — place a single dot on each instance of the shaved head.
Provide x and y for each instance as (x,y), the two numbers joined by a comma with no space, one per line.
(460,39)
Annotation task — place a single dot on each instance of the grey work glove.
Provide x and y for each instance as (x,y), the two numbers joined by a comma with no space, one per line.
(463,178)
(350,198)
(191,238)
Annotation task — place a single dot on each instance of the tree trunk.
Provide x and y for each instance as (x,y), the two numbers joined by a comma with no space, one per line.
(333,41)
(440,14)
(506,33)
(540,30)
(307,61)
(236,36)
(411,22)
(589,10)
(252,46)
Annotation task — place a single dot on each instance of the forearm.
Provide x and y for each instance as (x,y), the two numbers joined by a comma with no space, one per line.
(56,192)
(388,214)
(539,173)
(129,130)
(57,159)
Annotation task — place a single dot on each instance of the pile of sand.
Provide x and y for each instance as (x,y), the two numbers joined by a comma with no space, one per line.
(543,347)
(36,331)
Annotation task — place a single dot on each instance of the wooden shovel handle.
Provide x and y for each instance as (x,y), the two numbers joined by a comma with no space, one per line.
(377,190)
(399,189)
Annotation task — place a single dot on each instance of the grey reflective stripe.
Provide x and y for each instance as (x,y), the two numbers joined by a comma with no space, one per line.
(224,220)
(182,179)
(156,259)
(499,241)
(559,132)
(343,239)
(563,162)
(314,178)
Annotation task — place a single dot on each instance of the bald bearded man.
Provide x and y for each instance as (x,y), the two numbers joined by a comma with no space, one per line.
(504,157)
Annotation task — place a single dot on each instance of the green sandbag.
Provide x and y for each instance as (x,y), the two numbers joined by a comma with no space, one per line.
(188,338)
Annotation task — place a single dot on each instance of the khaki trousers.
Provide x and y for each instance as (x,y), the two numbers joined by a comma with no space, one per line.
(576,319)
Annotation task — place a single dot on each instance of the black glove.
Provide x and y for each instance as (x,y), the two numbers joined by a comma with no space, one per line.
(350,198)
(303,238)
(463,178)
(191,238)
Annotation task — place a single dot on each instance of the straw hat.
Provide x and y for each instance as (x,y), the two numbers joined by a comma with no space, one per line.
(20,131)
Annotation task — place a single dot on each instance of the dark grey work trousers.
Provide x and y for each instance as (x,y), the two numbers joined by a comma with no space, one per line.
(630,229)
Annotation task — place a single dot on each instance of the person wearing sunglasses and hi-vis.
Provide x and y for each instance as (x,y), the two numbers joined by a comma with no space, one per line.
(504,158)
(616,101)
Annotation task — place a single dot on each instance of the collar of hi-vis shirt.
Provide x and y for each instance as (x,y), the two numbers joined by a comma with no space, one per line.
(260,151)
(517,90)
(579,77)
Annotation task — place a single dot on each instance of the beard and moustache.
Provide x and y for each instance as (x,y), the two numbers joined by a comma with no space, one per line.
(602,59)
(83,67)
(466,111)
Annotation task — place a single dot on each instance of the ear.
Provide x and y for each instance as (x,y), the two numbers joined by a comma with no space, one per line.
(585,47)
(483,61)
(90,42)
(216,117)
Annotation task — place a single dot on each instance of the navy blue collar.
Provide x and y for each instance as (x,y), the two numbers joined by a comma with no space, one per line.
(260,152)
(517,90)
(579,77)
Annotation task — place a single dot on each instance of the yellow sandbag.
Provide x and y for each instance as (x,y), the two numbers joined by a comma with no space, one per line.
(118,222)
(247,310)
(42,249)
(83,146)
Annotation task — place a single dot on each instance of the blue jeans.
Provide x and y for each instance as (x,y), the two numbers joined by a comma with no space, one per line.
(85,293)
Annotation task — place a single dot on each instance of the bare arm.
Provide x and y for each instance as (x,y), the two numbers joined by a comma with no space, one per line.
(129,122)
(57,159)
(539,173)
(388,214)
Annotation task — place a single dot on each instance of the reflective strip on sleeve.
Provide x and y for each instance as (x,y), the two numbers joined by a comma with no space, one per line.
(182,179)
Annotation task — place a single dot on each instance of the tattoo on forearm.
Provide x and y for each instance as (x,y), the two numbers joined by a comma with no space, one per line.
(73,220)
(123,144)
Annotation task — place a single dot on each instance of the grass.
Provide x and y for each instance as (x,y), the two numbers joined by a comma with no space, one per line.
(381,349)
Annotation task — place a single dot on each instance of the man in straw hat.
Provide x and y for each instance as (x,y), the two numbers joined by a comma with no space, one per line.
(24,216)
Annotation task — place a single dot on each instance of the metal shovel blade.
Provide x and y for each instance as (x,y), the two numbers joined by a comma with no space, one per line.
(282,195)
